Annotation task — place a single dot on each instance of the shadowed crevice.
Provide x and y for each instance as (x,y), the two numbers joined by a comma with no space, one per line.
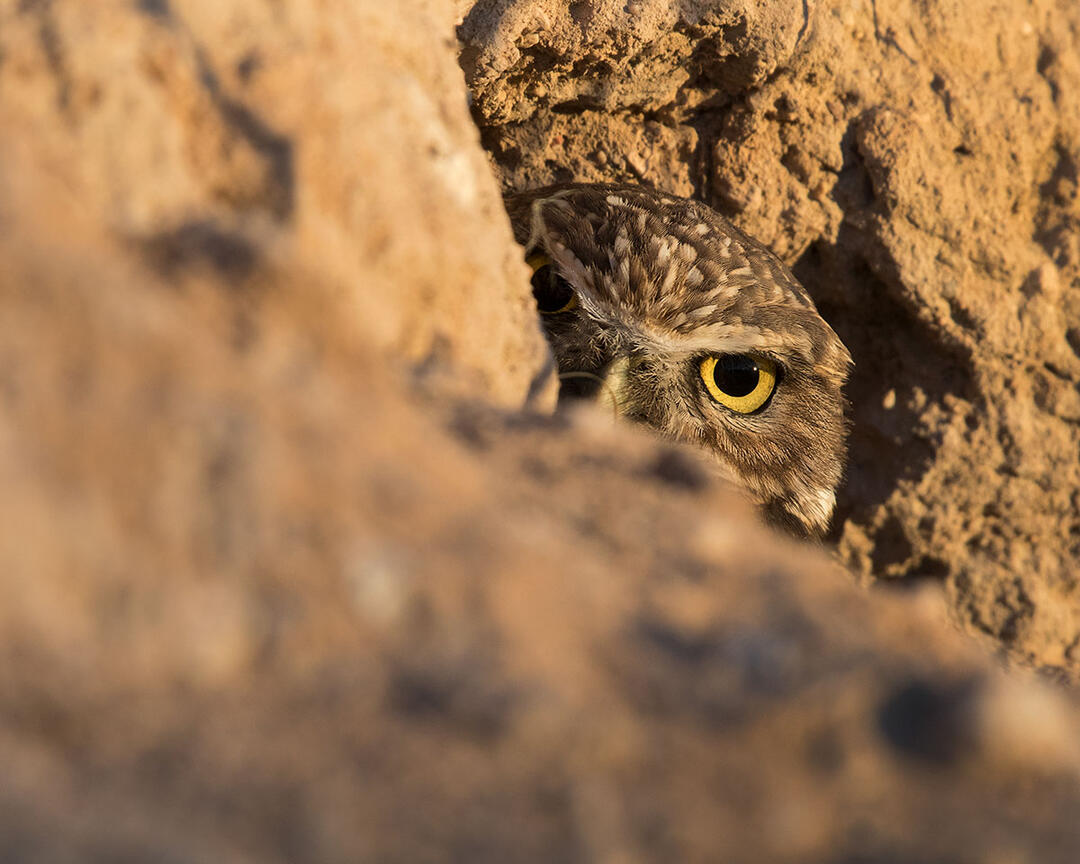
(201,243)
(901,367)
(279,194)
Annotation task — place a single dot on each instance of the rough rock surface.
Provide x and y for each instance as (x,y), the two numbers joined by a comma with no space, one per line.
(276,590)
(916,164)
(208,133)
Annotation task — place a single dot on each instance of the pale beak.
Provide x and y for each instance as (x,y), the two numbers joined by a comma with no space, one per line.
(613,393)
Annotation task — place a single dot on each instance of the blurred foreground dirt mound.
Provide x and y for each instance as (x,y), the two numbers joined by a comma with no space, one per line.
(917,165)
(288,574)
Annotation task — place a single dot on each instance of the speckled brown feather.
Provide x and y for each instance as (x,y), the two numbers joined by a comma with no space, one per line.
(664,281)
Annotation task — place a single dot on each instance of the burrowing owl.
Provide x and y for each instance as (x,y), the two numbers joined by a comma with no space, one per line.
(662,307)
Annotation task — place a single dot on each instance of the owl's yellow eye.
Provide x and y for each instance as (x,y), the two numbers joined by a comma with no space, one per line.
(554,295)
(738,381)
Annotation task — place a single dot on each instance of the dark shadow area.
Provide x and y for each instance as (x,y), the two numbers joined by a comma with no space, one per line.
(929,721)
(896,356)
(155,8)
(279,192)
(52,47)
(1054,224)
(201,243)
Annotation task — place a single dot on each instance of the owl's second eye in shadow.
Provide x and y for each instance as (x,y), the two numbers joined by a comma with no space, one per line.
(739,381)
(554,295)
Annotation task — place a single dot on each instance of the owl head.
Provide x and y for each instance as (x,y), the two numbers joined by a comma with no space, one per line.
(661,308)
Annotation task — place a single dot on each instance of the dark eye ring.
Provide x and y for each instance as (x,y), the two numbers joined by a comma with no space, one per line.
(554,295)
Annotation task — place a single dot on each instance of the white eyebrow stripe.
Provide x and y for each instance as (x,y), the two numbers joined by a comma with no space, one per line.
(731,338)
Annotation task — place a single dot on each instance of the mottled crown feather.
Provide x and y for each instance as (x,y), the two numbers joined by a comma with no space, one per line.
(664,285)
(677,264)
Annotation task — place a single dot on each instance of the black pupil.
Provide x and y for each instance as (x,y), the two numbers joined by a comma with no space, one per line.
(736,374)
(551,291)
